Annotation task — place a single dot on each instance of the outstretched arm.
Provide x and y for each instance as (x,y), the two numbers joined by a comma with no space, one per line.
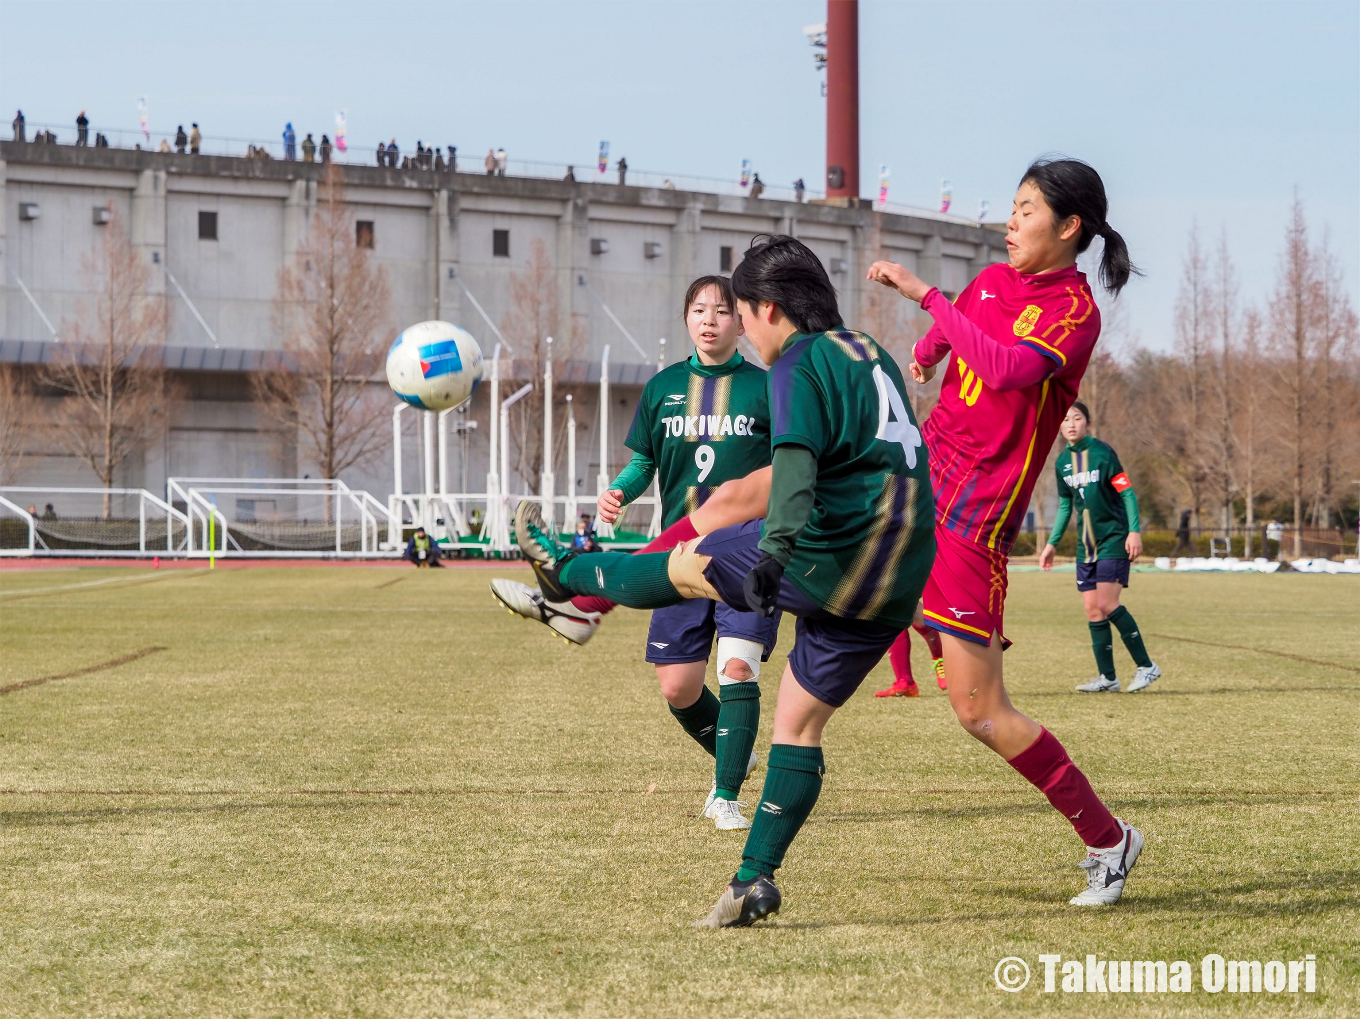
(1000,367)
(632,481)
(734,502)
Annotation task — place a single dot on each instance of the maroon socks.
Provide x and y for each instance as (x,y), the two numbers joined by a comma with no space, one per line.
(899,656)
(1046,764)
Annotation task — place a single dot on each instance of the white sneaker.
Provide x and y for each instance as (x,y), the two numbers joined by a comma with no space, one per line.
(1107,869)
(1144,677)
(564,618)
(726,815)
(1100,684)
(713,790)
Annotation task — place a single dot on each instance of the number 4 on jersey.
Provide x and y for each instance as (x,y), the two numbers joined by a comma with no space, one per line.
(894,425)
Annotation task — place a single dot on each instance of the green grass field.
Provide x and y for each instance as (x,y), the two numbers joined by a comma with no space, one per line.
(371,792)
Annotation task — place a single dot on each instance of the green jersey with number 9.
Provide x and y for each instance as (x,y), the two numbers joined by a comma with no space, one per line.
(870,542)
(702,425)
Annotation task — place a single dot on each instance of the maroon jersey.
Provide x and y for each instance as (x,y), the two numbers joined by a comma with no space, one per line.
(997,418)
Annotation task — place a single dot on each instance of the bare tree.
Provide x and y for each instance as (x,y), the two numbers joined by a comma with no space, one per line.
(534,315)
(1248,440)
(111,363)
(18,410)
(1293,316)
(1225,316)
(1336,328)
(1193,328)
(332,314)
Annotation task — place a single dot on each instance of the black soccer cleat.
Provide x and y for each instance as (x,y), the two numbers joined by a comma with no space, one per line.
(742,903)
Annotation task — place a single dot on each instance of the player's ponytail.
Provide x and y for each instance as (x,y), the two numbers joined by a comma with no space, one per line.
(784,271)
(1073,188)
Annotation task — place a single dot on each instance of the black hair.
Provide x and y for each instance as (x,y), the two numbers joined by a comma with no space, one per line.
(785,271)
(696,288)
(1085,410)
(1073,188)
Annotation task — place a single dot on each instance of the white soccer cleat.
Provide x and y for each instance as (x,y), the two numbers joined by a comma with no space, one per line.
(1108,869)
(713,790)
(1101,684)
(563,618)
(726,814)
(1144,677)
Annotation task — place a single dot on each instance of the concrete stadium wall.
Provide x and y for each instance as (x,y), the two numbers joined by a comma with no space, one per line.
(428,228)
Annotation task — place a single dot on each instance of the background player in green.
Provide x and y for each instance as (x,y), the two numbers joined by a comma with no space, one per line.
(700,422)
(1091,480)
(846,547)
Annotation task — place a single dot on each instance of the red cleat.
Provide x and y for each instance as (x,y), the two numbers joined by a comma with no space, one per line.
(901,689)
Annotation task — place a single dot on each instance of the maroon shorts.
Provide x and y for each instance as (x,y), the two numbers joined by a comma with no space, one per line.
(966,593)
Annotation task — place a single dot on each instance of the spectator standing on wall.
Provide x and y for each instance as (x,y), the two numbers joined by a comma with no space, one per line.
(439,166)
(164,146)
(308,149)
(453,159)
(20,132)
(392,152)
(195,140)
(502,161)
(289,141)
(757,186)
(571,175)
(382,154)
(181,139)
(623,171)
(325,149)
(799,189)
(490,162)
(82,129)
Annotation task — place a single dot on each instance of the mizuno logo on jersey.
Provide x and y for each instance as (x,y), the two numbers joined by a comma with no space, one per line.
(1084,478)
(711,426)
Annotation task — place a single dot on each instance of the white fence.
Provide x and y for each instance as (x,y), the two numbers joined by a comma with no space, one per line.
(116,522)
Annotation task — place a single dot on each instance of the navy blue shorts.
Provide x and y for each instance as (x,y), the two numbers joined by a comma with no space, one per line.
(684,633)
(1102,571)
(831,656)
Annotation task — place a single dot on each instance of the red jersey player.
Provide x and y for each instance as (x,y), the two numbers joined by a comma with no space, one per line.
(1021,335)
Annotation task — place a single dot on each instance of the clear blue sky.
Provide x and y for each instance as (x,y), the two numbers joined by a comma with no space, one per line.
(1208,112)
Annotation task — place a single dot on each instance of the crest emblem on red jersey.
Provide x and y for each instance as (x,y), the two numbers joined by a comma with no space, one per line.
(1024,325)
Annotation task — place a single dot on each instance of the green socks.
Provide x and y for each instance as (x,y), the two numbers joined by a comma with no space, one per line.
(793,781)
(1103,646)
(1133,640)
(738,719)
(637,581)
(700,719)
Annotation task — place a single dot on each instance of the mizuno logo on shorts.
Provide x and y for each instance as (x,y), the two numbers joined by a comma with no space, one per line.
(958,613)
(771,808)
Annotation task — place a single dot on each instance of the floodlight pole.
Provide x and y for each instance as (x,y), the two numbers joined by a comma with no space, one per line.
(603,529)
(491,523)
(503,533)
(427,503)
(546,483)
(569,511)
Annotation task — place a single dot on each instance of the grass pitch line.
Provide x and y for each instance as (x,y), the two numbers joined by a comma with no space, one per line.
(1258,651)
(25,592)
(389,583)
(112,663)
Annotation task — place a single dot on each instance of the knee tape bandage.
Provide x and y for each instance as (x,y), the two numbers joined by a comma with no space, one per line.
(749,651)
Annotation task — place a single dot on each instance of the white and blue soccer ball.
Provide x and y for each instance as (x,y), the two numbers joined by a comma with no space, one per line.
(434,365)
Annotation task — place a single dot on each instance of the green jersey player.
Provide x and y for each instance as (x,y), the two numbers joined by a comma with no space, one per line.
(1092,486)
(701,422)
(846,546)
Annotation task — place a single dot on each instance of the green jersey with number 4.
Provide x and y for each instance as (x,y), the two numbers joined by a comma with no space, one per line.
(870,542)
(701,425)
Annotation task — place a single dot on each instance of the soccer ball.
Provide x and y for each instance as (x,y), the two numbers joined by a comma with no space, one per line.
(434,365)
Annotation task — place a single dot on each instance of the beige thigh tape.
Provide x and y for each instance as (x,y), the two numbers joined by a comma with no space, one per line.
(685,568)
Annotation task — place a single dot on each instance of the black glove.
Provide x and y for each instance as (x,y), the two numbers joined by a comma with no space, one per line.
(762,585)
